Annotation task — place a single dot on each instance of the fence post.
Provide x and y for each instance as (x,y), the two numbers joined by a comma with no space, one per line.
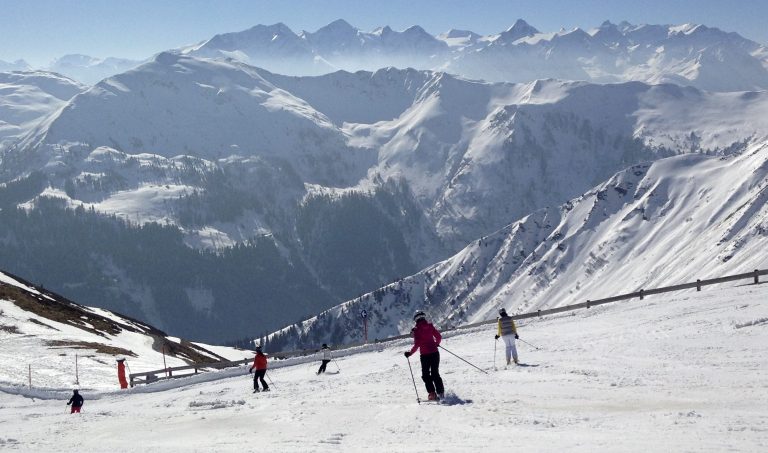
(642,294)
(698,284)
(539,312)
(757,276)
(30,376)
(588,303)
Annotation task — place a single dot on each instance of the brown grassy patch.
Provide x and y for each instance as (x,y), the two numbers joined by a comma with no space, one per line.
(98,347)
(40,323)
(9,329)
(62,312)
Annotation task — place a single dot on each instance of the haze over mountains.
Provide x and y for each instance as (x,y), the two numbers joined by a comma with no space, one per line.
(694,55)
(687,54)
(217,199)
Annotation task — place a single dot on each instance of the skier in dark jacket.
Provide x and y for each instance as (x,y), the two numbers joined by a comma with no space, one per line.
(426,339)
(76,401)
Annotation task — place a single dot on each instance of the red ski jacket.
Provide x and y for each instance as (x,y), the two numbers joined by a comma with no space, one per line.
(425,338)
(260,361)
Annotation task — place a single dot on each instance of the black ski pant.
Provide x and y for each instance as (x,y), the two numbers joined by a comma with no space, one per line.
(430,373)
(322,366)
(259,376)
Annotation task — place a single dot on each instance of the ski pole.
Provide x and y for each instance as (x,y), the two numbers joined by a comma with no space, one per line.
(534,347)
(337,365)
(462,359)
(270,379)
(495,342)
(418,400)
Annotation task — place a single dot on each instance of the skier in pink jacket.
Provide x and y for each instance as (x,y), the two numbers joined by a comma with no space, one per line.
(426,339)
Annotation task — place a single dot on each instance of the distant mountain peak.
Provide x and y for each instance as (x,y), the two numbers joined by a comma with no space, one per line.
(339,23)
(520,29)
(454,33)
(415,29)
(382,31)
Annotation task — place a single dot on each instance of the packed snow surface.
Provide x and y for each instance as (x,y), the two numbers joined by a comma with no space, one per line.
(679,372)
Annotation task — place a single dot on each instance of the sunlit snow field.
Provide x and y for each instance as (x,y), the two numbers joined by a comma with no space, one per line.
(683,372)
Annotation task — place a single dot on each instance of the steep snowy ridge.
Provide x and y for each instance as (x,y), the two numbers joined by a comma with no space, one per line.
(27,97)
(48,331)
(673,221)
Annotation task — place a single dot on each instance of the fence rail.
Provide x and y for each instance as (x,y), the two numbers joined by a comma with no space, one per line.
(152,376)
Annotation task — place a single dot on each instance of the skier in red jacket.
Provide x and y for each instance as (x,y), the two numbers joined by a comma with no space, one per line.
(260,364)
(426,339)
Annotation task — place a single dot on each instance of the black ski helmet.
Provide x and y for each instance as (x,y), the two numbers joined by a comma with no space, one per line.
(419,315)
(502,312)
(325,346)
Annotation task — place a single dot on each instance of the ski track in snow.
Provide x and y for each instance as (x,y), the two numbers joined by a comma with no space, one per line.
(676,373)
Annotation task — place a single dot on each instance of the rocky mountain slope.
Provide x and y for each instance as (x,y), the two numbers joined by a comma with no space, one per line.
(655,224)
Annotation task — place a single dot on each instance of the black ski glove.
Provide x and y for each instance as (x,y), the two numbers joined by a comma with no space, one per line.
(517,337)
(495,337)
(250,370)
(407,354)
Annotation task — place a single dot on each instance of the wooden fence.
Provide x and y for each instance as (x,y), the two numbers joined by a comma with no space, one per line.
(152,376)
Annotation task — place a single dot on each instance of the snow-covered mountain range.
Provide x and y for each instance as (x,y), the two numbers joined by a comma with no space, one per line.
(685,54)
(18,65)
(90,70)
(688,54)
(475,155)
(226,153)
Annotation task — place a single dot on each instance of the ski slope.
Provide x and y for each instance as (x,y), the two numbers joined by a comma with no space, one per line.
(681,372)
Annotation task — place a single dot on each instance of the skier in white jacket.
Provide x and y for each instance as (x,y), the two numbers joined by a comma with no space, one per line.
(325,352)
(508,332)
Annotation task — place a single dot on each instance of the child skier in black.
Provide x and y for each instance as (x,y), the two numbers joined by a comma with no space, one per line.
(76,401)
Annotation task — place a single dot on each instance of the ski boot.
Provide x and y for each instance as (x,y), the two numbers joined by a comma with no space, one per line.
(255,390)
(432,396)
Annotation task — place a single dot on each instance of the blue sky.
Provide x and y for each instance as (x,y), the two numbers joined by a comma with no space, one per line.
(41,30)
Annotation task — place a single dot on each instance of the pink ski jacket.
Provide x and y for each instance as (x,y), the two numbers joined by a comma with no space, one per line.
(425,338)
